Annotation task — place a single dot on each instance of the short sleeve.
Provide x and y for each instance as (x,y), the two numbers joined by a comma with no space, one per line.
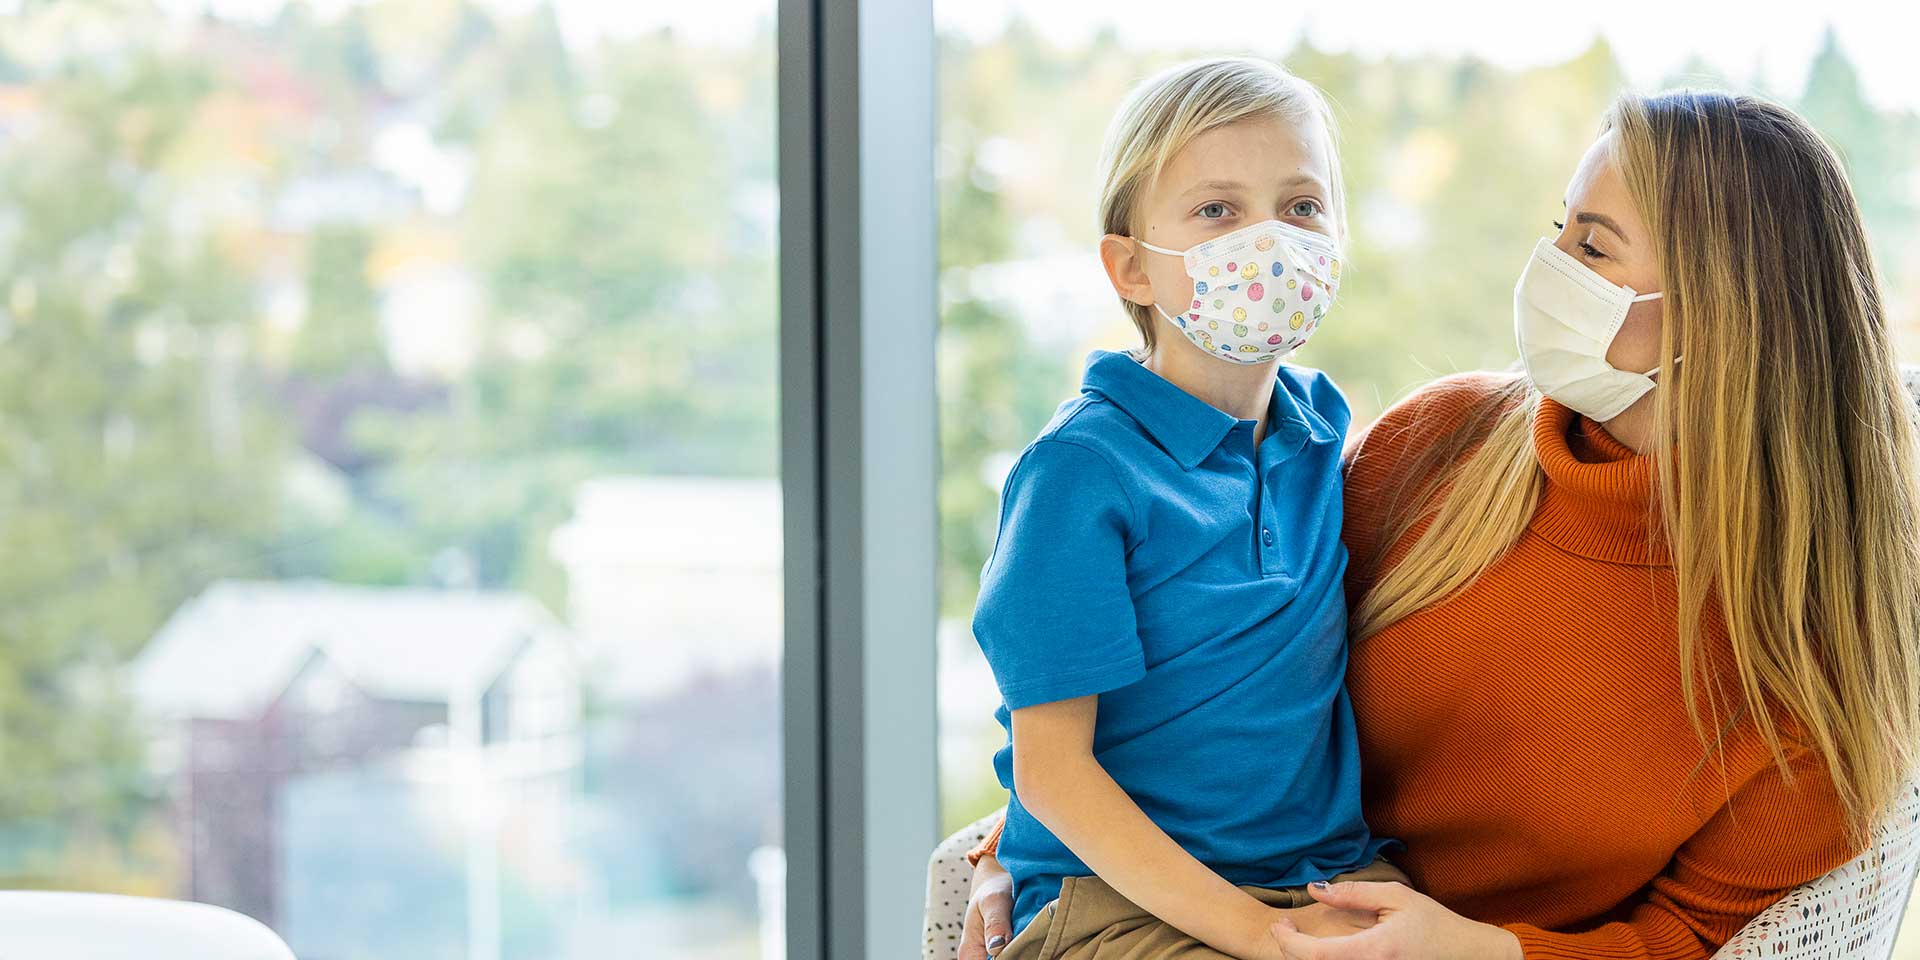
(1055,616)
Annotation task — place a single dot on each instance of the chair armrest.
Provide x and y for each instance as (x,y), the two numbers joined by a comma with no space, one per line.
(949,882)
(1853,912)
(35,924)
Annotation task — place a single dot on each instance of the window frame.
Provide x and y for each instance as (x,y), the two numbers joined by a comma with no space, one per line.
(858,467)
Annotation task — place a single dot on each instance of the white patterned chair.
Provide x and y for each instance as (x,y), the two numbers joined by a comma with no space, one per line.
(949,882)
(1853,913)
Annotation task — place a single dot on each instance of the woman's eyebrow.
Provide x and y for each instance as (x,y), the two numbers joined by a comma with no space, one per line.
(1603,220)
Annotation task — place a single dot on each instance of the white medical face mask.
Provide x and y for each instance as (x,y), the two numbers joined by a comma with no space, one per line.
(1565,317)
(1258,292)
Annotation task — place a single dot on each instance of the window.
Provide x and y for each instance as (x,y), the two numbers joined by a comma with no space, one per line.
(394,527)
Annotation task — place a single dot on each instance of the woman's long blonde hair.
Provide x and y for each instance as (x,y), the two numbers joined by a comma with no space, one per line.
(1784,447)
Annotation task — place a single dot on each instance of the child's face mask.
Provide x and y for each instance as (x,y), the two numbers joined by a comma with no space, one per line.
(1258,292)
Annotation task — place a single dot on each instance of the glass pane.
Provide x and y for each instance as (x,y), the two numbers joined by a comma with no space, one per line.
(1447,114)
(387,411)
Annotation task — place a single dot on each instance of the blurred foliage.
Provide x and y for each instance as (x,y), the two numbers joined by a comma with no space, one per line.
(130,464)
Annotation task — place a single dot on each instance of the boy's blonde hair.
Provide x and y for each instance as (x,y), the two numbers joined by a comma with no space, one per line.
(1164,113)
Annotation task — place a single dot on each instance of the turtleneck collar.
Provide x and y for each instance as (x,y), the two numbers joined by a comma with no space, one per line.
(1599,496)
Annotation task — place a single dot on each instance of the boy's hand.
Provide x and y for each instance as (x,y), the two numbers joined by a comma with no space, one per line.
(1314,919)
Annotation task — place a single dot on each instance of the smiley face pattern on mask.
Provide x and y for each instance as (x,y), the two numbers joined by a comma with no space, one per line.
(1259,292)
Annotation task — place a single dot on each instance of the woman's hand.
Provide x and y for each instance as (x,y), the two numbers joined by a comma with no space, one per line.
(1327,920)
(989,911)
(1412,926)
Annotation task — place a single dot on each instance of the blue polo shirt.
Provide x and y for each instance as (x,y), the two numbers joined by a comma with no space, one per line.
(1150,553)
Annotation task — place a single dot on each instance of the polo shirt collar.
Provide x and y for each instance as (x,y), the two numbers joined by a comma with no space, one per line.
(1185,426)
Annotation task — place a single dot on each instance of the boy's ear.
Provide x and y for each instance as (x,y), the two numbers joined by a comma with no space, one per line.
(1128,274)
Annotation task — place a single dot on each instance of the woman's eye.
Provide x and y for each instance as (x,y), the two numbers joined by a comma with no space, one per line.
(1589,250)
(1214,211)
(1306,208)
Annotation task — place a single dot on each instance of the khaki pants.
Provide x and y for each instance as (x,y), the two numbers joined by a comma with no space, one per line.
(1090,921)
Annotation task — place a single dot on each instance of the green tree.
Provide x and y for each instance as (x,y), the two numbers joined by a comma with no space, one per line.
(131,463)
(631,323)
(996,388)
(1453,169)
(1878,148)
(343,332)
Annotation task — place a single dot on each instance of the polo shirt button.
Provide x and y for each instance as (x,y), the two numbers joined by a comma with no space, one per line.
(1266,536)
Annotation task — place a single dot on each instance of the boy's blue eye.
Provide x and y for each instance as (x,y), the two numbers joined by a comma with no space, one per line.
(1305,208)
(1214,211)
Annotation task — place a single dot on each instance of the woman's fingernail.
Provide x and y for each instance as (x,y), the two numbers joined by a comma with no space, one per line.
(996,941)
(1320,884)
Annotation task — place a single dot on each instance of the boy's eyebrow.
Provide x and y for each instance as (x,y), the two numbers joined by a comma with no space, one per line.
(1296,180)
(1206,185)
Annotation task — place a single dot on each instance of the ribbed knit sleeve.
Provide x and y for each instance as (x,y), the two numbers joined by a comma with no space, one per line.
(991,845)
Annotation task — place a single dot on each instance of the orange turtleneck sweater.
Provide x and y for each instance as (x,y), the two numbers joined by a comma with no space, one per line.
(1528,738)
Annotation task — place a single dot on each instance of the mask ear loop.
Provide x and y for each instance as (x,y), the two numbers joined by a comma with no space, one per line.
(1657,294)
(1676,362)
(1171,253)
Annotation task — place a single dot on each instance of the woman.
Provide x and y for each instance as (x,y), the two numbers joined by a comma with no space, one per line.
(1633,652)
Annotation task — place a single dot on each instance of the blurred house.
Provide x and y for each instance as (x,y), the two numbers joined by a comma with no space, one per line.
(333,751)
(19,109)
(675,589)
(672,578)
(1062,300)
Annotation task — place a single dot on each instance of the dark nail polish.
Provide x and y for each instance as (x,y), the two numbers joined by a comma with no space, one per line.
(1320,884)
(996,941)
